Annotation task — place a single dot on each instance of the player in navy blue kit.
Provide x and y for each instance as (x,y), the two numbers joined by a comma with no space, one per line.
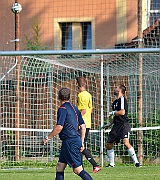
(121,127)
(68,120)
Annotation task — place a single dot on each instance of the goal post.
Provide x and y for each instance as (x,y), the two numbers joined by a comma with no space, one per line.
(43,73)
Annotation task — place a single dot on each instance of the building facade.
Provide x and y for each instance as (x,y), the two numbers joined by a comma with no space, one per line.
(70,24)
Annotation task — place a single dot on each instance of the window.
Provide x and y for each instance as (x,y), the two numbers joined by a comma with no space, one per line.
(66,29)
(76,35)
(153,11)
(86,35)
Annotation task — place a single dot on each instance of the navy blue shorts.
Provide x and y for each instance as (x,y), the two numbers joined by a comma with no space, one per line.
(70,152)
(119,132)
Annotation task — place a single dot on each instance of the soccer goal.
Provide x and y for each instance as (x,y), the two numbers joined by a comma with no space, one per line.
(28,90)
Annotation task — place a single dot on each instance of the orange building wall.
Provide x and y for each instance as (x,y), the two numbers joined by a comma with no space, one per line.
(46,11)
(132,25)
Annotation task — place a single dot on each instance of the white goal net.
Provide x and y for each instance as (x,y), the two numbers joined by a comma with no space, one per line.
(29,103)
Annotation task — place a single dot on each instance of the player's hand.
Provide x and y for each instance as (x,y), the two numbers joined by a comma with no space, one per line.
(111,113)
(106,126)
(44,141)
(82,147)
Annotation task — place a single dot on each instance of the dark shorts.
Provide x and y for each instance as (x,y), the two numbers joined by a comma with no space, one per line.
(119,132)
(86,134)
(70,152)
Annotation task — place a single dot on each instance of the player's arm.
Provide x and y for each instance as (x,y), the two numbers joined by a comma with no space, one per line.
(83,129)
(108,124)
(122,111)
(82,135)
(83,132)
(81,104)
(57,129)
(90,104)
(117,113)
(83,111)
(61,115)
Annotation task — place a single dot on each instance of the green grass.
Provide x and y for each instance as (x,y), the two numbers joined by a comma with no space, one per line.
(117,173)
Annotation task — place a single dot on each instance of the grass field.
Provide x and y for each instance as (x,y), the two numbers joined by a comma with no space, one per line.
(117,173)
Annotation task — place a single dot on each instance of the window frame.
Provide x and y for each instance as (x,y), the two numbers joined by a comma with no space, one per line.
(151,11)
(58,32)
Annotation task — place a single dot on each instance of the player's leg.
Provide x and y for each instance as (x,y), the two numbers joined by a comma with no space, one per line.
(90,158)
(88,155)
(112,138)
(82,173)
(131,152)
(110,153)
(73,158)
(60,167)
(62,163)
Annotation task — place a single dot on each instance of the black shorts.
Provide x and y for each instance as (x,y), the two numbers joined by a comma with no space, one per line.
(119,132)
(86,134)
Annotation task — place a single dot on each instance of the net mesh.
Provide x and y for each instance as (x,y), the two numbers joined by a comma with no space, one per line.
(29,84)
(41,77)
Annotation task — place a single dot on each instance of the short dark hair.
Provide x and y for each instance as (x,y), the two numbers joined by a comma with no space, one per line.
(123,88)
(64,94)
(81,81)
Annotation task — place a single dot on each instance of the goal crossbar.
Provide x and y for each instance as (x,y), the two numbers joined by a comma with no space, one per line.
(96,51)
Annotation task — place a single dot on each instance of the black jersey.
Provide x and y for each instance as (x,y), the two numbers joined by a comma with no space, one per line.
(117,105)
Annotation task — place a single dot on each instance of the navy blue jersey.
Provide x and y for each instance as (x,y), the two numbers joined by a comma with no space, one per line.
(70,118)
(120,104)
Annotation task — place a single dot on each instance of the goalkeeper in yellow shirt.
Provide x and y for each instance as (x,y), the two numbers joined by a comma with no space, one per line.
(84,104)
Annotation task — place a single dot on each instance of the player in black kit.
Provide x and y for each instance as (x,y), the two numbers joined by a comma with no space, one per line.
(121,127)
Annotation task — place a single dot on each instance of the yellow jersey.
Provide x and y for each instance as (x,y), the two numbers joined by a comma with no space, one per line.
(84,101)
